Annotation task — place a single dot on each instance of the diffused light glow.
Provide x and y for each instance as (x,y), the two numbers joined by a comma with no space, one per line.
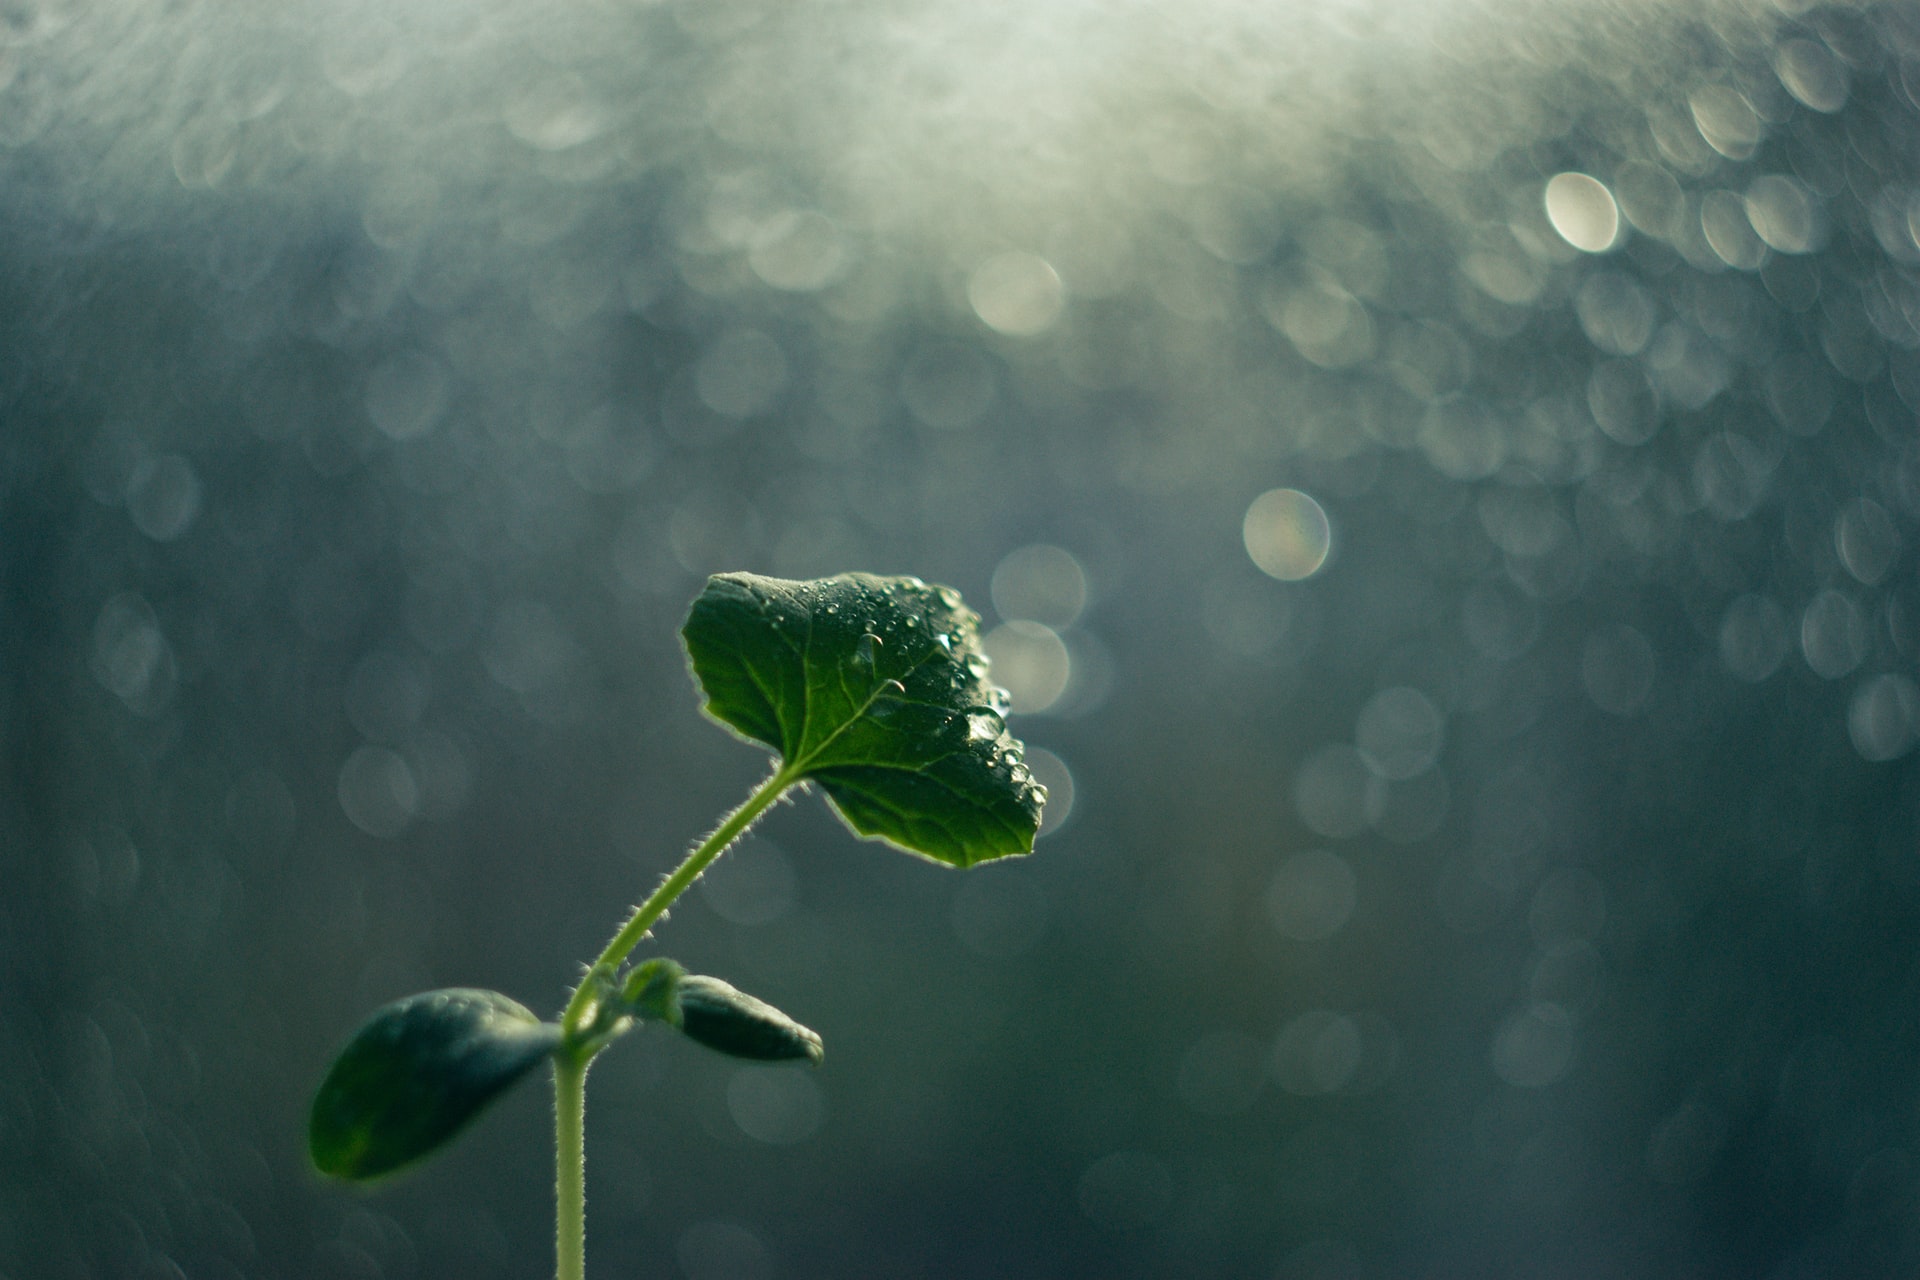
(1017,294)
(1583,211)
(1287,534)
(1040,583)
(1031,661)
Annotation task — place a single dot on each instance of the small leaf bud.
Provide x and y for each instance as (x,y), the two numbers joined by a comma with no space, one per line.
(721,1017)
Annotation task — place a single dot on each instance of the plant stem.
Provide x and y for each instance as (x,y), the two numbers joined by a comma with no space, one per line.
(571,1061)
(570,1165)
(644,915)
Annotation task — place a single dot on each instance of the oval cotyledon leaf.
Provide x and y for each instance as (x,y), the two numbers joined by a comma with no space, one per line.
(876,689)
(416,1073)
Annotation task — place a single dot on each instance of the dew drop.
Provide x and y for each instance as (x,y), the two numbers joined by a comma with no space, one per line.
(1038,792)
(999,699)
(949,597)
(984,724)
(945,641)
(1020,775)
(1014,755)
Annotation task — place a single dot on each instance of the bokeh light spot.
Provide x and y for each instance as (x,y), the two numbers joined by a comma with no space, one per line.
(1399,733)
(1051,772)
(798,251)
(777,1106)
(1535,1046)
(753,885)
(1017,294)
(1040,583)
(1031,662)
(1583,211)
(1287,534)
(1884,718)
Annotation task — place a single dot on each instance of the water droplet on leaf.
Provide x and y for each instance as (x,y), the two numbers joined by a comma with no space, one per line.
(984,724)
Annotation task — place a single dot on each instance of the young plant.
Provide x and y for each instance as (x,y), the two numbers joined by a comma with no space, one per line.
(876,690)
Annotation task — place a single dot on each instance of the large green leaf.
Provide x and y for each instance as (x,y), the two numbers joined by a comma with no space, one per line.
(877,689)
(416,1073)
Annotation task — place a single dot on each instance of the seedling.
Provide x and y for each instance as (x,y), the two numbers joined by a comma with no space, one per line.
(876,690)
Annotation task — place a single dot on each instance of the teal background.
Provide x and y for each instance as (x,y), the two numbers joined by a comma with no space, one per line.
(377,389)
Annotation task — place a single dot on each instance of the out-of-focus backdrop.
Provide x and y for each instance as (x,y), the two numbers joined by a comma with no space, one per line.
(1441,481)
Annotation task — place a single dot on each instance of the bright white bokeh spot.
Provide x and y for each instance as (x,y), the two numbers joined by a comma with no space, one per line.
(1042,584)
(1783,213)
(1030,661)
(1583,211)
(1287,534)
(1017,294)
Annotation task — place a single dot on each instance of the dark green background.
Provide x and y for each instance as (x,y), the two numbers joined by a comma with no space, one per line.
(377,388)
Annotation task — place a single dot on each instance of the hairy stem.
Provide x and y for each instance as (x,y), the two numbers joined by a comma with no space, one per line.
(644,915)
(570,1165)
(570,1063)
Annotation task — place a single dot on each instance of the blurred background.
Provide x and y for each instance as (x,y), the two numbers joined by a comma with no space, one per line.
(1440,480)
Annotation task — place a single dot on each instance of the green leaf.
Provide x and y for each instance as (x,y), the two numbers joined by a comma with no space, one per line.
(416,1073)
(876,689)
(721,1016)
